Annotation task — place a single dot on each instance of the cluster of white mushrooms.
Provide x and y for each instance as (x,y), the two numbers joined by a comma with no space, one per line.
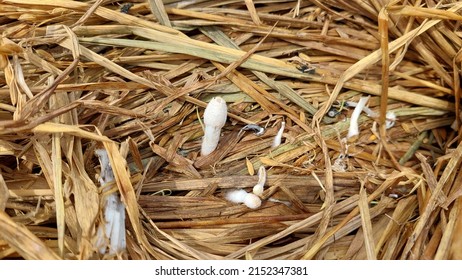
(214,119)
(111,233)
(251,199)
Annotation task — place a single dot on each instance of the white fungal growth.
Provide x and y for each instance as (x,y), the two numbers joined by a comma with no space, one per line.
(278,138)
(286,203)
(258,188)
(365,109)
(354,127)
(390,116)
(110,233)
(214,119)
(236,196)
(241,196)
(390,120)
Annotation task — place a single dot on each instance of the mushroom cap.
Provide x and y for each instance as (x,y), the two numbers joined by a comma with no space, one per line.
(216,112)
(258,189)
(252,201)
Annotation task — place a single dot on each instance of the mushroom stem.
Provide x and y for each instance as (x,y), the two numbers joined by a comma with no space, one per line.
(214,119)
(354,128)
(278,138)
(211,139)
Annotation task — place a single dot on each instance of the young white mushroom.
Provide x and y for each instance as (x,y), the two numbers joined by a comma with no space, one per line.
(241,196)
(111,233)
(354,127)
(214,119)
(258,188)
(252,201)
(390,116)
(365,109)
(278,138)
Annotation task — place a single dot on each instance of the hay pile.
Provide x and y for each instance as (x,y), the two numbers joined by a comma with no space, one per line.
(134,77)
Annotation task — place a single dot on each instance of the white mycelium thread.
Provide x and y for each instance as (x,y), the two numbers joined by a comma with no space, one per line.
(111,233)
(278,138)
(258,188)
(287,203)
(390,116)
(214,119)
(365,109)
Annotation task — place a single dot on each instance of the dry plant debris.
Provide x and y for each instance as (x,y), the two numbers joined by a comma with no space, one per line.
(134,77)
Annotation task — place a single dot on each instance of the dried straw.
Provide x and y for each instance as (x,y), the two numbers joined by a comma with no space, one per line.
(134,79)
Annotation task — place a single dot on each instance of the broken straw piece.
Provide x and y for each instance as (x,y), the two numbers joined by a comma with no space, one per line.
(214,119)
(354,128)
(257,130)
(110,233)
(278,138)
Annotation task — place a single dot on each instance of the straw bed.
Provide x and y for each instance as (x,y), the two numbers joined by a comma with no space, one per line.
(133,78)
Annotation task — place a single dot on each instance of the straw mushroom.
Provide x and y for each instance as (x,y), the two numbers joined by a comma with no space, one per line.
(214,119)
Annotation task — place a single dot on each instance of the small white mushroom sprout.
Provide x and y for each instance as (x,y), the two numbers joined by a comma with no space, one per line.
(258,188)
(110,233)
(365,109)
(251,200)
(354,128)
(214,119)
(241,196)
(361,106)
(278,138)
